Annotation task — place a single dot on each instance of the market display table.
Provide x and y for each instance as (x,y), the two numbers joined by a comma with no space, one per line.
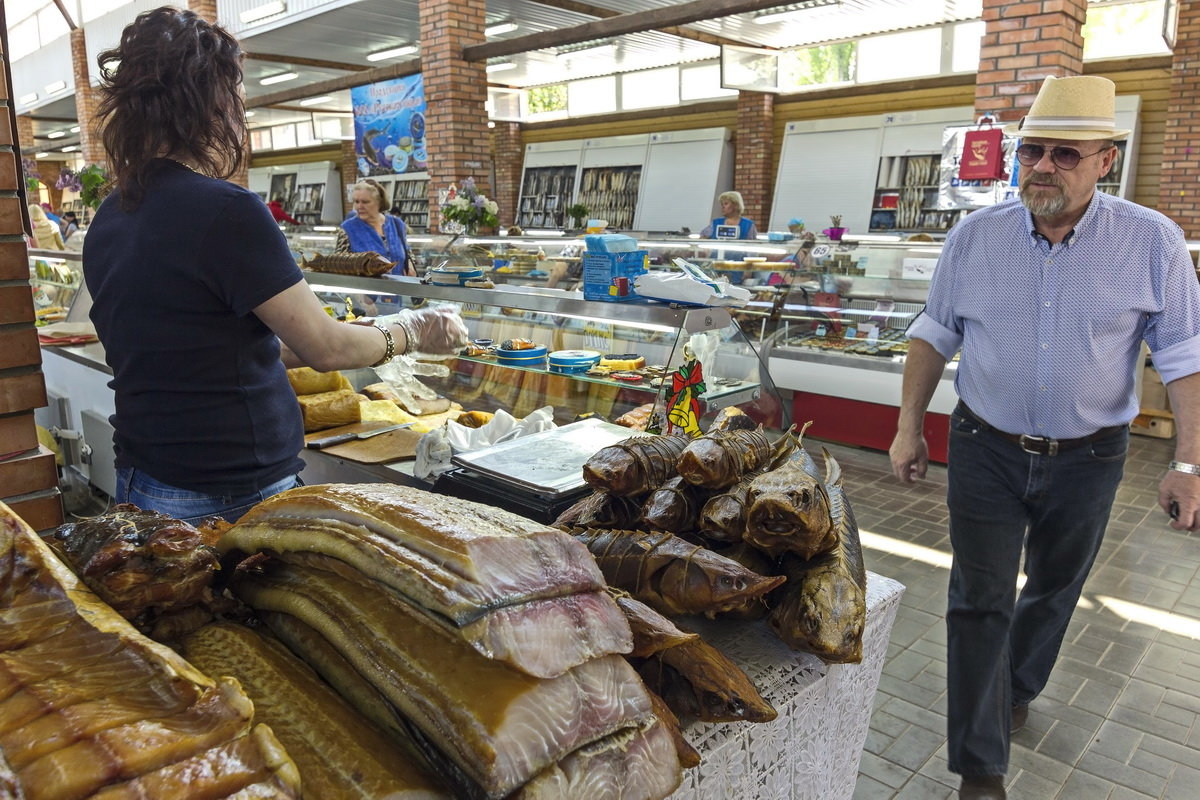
(812,749)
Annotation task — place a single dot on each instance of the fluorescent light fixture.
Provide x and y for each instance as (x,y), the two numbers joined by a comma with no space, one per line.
(501,67)
(57,86)
(56,134)
(328,229)
(73,129)
(316,101)
(26,99)
(392,52)
(600,49)
(262,12)
(499,29)
(41,155)
(792,11)
(249,114)
(280,78)
(70,148)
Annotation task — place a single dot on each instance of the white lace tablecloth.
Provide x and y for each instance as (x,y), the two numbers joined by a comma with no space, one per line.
(812,749)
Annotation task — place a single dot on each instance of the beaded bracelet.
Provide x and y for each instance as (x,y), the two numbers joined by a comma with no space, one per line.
(390,352)
(1182,466)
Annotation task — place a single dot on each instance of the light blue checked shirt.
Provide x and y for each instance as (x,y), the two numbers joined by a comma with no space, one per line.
(1050,335)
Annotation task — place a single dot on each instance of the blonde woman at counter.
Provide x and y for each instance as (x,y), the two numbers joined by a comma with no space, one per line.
(731,225)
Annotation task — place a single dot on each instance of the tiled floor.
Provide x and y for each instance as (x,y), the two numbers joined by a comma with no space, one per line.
(1118,720)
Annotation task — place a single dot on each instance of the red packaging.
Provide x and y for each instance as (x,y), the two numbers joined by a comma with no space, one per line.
(982,156)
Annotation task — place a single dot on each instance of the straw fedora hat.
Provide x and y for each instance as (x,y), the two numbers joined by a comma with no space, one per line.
(1078,108)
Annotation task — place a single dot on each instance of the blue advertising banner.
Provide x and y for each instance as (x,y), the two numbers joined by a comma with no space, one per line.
(389,126)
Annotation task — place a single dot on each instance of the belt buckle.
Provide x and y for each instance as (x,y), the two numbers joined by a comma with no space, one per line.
(1038,445)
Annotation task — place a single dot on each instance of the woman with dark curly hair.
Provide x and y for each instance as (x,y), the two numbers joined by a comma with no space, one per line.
(196,315)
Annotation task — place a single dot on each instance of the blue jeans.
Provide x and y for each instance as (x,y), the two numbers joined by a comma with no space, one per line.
(1001,648)
(149,494)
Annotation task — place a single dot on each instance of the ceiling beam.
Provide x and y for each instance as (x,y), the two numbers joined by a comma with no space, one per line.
(587,9)
(397,70)
(300,61)
(638,21)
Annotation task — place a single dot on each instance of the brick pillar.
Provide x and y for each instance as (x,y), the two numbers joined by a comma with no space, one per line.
(28,478)
(455,94)
(349,174)
(508,154)
(1022,44)
(1181,139)
(205,9)
(85,101)
(753,147)
(25,134)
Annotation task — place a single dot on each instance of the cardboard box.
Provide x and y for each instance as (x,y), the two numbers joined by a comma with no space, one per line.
(1159,424)
(1154,393)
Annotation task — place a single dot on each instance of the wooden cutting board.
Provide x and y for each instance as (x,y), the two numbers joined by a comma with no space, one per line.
(385,448)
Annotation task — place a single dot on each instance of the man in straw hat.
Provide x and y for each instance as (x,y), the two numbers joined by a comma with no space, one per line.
(1049,299)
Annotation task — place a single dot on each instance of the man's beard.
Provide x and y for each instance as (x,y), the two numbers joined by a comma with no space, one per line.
(1041,203)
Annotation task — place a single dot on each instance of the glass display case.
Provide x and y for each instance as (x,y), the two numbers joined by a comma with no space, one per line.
(56,277)
(654,340)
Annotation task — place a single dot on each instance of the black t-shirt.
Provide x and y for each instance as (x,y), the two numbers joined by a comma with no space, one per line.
(202,399)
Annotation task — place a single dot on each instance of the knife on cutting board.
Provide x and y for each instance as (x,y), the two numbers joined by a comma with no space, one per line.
(341,438)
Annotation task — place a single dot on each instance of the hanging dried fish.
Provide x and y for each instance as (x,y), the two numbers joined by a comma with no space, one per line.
(671,575)
(791,510)
(696,680)
(718,460)
(635,465)
(601,510)
(674,507)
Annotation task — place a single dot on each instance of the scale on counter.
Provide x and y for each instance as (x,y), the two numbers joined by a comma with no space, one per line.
(537,476)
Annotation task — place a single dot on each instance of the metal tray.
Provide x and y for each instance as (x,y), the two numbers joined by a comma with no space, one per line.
(549,463)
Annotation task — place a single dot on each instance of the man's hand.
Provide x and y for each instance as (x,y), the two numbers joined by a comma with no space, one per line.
(1183,490)
(910,456)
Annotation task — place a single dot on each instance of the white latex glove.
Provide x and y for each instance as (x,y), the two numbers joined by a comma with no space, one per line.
(436,331)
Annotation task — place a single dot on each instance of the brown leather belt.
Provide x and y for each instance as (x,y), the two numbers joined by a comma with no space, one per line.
(1039,445)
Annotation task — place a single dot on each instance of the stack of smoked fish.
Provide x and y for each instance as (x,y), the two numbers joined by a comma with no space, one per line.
(480,640)
(729,524)
(90,708)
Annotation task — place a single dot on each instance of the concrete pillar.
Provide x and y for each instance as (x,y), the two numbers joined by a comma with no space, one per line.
(508,154)
(85,101)
(1022,44)
(1181,139)
(458,143)
(753,146)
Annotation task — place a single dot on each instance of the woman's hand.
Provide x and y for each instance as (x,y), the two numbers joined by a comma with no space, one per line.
(437,331)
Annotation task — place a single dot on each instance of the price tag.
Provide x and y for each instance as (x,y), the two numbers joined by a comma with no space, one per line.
(920,269)
(598,336)
(820,330)
(873,334)
(820,251)
(851,332)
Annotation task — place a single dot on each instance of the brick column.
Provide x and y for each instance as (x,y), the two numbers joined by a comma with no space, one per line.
(50,170)
(508,154)
(455,94)
(349,173)
(85,101)
(753,147)
(1181,140)
(28,478)
(25,134)
(205,9)
(1022,44)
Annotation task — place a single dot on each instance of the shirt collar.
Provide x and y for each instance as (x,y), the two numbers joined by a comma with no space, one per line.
(1086,222)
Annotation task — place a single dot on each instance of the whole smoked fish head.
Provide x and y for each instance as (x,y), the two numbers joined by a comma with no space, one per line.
(788,510)
(635,465)
(717,460)
(673,507)
(822,608)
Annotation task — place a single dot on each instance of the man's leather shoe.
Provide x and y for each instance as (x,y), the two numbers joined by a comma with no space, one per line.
(982,787)
(1020,714)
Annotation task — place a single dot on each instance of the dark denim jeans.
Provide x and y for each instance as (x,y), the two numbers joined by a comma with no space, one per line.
(150,494)
(1000,647)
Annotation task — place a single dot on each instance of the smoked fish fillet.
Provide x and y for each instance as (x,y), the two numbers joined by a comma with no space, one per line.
(499,726)
(339,754)
(85,700)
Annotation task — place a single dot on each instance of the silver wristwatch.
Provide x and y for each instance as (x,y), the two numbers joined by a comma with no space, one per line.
(1182,466)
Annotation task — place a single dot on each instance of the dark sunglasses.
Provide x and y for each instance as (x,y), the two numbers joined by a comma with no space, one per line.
(1062,157)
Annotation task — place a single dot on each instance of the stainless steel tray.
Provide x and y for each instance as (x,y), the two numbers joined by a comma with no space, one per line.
(550,462)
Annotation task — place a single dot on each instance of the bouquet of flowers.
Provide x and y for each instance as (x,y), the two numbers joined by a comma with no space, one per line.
(68,179)
(33,178)
(470,209)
